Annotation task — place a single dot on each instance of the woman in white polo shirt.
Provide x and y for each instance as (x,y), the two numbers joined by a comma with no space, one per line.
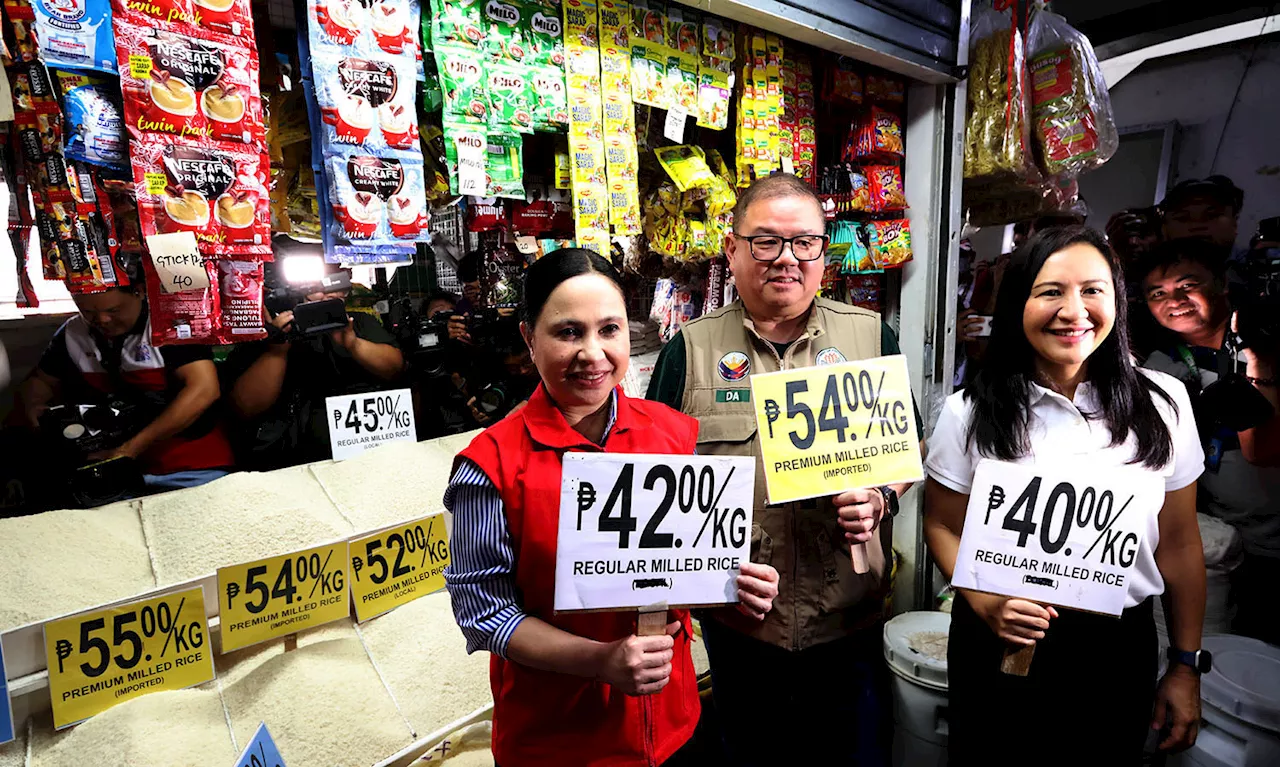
(1058,387)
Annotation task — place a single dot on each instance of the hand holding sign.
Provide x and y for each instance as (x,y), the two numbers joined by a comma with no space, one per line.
(830,429)
(640,529)
(1066,534)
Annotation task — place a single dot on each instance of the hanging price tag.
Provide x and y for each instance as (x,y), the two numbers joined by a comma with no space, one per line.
(677,116)
(282,595)
(472,149)
(178,262)
(836,427)
(100,658)
(787,165)
(636,530)
(261,751)
(398,565)
(1067,535)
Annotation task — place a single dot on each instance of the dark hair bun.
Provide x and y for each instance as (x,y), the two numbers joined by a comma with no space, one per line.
(547,273)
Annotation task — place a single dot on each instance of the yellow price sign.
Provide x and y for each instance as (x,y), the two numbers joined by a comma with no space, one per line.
(101,658)
(282,595)
(140,66)
(398,565)
(831,428)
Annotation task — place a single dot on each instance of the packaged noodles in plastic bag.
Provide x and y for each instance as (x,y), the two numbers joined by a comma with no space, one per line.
(1074,129)
(997,134)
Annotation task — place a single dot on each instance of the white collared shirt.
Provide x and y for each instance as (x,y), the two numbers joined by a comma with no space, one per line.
(1058,432)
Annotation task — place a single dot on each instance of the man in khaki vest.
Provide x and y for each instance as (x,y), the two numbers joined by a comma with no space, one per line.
(817,657)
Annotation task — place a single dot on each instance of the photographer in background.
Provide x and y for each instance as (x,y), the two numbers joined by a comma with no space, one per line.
(280,384)
(161,401)
(1204,209)
(1185,288)
(433,363)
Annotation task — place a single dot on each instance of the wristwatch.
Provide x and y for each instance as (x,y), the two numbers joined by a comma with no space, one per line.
(1201,661)
(890,497)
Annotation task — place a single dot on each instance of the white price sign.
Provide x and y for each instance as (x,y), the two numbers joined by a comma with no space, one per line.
(1064,535)
(471,164)
(358,422)
(673,129)
(639,530)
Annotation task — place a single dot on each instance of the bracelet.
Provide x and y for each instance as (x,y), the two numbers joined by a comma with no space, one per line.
(1261,381)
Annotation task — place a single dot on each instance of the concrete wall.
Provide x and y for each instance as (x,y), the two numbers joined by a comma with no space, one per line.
(1197,89)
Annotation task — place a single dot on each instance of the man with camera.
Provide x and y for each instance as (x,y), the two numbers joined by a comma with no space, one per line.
(280,384)
(1205,341)
(101,391)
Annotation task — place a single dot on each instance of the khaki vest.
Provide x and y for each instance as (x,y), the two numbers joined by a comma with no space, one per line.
(820,598)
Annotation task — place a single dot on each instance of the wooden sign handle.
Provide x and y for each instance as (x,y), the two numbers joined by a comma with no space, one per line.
(1017,660)
(652,623)
(858,553)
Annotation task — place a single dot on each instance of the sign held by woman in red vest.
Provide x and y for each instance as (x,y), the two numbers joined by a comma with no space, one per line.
(637,530)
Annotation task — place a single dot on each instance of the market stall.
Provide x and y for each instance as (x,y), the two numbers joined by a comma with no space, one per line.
(168,143)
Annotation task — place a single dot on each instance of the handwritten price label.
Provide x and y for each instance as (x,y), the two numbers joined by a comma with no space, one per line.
(831,428)
(640,529)
(282,595)
(1063,536)
(104,657)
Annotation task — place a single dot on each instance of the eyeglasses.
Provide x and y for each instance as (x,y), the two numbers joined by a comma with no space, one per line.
(768,247)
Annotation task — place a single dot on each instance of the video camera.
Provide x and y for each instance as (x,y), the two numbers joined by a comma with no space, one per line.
(74,432)
(423,339)
(492,330)
(311,317)
(1257,301)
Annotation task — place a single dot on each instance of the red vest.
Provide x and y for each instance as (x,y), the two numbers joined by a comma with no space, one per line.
(544,718)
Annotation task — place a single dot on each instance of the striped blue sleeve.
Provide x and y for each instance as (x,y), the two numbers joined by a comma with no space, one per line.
(481,573)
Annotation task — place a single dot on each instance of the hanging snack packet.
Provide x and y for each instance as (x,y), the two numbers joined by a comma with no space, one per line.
(193,85)
(220,195)
(551,99)
(845,82)
(230,17)
(686,165)
(885,90)
(462,81)
(713,93)
(486,214)
(240,287)
(510,98)
(717,39)
(75,33)
(891,244)
(505,165)
(546,34)
(581,37)
(648,54)
(186,317)
(587,159)
(885,183)
(96,127)
(374,202)
(504,32)
(367,103)
(457,22)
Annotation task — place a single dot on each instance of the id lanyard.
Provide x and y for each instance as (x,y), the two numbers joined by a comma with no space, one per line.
(1212,456)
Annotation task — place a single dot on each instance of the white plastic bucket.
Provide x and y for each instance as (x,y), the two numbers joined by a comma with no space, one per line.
(919,687)
(1240,706)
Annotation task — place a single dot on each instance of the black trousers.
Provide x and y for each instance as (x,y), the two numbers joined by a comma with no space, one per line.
(1086,701)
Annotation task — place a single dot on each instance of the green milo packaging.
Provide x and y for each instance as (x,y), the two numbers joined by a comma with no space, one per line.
(510,98)
(454,22)
(505,166)
(462,83)
(505,30)
(549,98)
(546,34)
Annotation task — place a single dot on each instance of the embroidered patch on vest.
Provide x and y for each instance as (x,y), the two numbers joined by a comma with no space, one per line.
(734,366)
(733,395)
(830,356)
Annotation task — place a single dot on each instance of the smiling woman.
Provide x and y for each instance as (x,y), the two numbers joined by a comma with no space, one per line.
(1058,388)
(569,687)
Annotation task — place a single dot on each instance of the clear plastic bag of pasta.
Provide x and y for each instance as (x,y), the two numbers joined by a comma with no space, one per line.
(1074,127)
(997,134)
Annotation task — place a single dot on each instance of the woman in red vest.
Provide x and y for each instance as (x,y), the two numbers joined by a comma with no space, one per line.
(570,688)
